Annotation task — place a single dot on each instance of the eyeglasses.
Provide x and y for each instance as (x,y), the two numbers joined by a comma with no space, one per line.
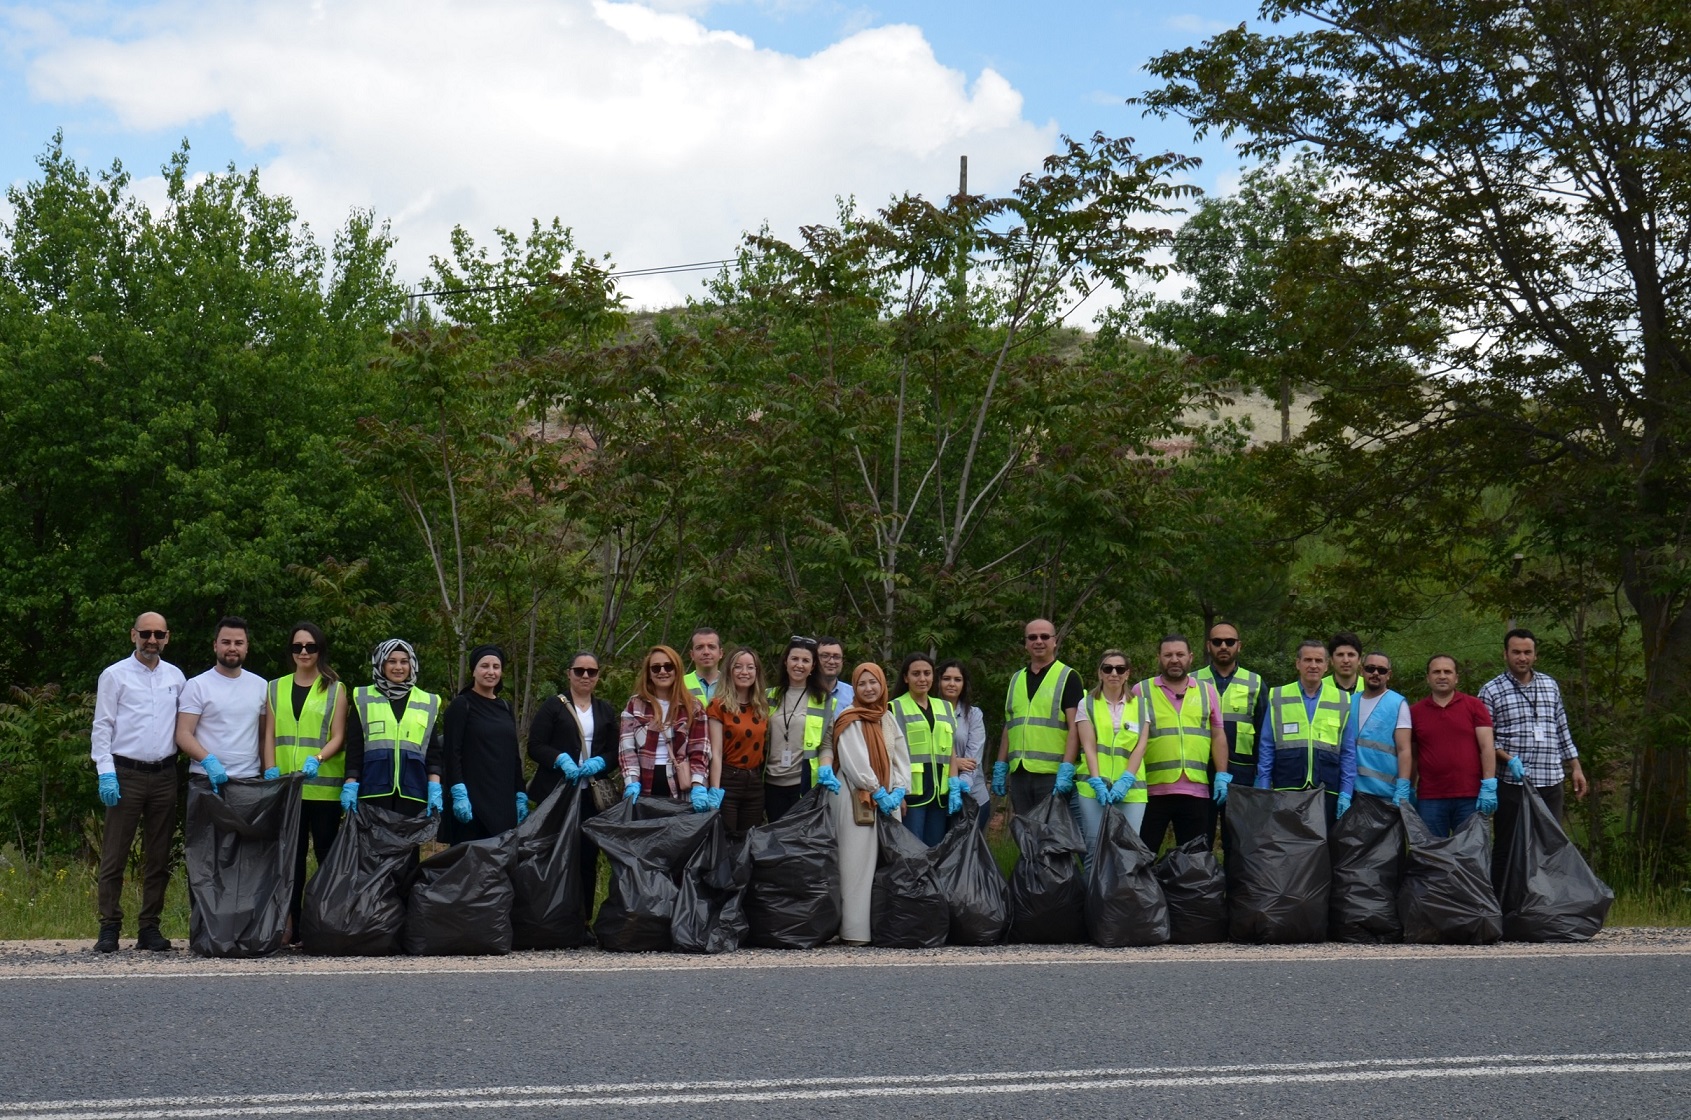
(1224,642)
(1113,670)
(304,647)
(664,667)
(1376,668)
(1040,637)
(152,635)
(583,671)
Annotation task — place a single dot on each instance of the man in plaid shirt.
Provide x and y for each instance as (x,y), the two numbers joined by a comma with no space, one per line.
(1532,737)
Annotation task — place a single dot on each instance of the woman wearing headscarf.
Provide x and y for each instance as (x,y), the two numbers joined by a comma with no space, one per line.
(394,744)
(482,761)
(664,746)
(573,738)
(873,763)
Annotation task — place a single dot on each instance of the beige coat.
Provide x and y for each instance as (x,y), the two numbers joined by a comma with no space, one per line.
(858,849)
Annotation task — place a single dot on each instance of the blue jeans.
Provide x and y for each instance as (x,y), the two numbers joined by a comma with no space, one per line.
(1088,815)
(927,822)
(1444,815)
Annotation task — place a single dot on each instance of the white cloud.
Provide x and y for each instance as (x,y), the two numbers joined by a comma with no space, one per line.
(1197,25)
(655,137)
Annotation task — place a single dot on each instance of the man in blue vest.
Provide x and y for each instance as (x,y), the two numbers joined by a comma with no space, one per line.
(1384,747)
(1316,724)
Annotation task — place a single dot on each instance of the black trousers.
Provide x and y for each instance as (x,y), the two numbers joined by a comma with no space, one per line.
(1027,789)
(1511,803)
(146,801)
(778,801)
(1191,816)
(319,823)
(587,855)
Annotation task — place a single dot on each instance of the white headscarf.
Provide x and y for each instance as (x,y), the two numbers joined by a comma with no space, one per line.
(379,659)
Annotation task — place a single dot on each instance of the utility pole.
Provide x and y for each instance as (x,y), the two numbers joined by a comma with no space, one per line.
(963,176)
(960,283)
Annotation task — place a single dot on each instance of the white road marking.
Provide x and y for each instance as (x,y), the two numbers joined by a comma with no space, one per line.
(642,1094)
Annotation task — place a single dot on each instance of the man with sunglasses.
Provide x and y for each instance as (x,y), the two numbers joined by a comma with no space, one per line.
(133,744)
(1244,700)
(1037,751)
(1383,743)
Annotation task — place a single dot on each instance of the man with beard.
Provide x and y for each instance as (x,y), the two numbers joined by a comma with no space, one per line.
(1185,745)
(218,722)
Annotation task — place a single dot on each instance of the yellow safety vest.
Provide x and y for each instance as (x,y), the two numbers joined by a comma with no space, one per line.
(930,749)
(297,740)
(697,687)
(1037,725)
(1238,702)
(1178,744)
(818,716)
(1309,752)
(1113,745)
(395,751)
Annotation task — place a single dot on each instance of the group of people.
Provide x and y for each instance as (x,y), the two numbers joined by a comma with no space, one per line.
(724,736)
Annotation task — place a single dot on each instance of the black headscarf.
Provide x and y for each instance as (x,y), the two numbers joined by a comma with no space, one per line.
(476,655)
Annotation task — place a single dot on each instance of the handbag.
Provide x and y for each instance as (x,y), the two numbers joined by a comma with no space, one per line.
(862,808)
(605,788)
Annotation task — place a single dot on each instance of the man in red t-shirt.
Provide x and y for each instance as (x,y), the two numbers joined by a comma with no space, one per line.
(1454,759)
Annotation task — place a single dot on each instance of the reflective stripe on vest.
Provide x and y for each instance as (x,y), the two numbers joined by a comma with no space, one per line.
(1114,745)
(395,751)
(1324,734)
(817,718)
(1178,743)
(1036,725)
(1237,708)
(1376,746)
(299,739)
(930,749)
(697,687)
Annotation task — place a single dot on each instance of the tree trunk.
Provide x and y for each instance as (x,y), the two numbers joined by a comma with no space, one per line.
(1285,409)
(1666,629)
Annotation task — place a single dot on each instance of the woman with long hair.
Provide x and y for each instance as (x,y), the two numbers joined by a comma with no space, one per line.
(1108,722)
(664,745)
(738,718)
(304,733)
(929,725)
(875,771)
(483,763)
(969,749)
(801,727)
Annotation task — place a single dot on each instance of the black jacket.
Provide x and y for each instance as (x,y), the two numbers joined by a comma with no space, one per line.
(554,731)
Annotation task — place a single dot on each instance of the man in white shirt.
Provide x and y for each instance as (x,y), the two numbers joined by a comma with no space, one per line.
(219,724)
(133,744)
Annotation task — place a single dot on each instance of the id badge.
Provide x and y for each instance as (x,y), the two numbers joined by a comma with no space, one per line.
(1288,729)
(786,757)
(378,727)
(1539,733)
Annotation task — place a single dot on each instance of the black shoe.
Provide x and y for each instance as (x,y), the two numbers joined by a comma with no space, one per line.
(108,938)
(151,938)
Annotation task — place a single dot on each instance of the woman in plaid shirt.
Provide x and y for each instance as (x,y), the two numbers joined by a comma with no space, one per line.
(665,742)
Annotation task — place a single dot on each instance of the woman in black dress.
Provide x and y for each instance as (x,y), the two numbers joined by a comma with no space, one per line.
(483,765)
(573,738)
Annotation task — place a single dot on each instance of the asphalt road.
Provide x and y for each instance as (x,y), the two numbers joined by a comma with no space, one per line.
(1585,1035)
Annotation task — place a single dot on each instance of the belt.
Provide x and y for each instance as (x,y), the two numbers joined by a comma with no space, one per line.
(120,761)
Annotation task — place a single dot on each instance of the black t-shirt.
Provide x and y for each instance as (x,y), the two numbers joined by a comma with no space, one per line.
(301,691)
(1073,691)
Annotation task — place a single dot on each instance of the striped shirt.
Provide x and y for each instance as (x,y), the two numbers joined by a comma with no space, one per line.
(1532,725)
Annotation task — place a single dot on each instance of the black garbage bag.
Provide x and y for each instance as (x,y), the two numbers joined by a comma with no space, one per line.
(1279,873)
(1446,896)
(907,910)
(1547,890)
(793,898)
(648,843)
(974,889)
(460,900)
(240,846)
(1367,849)
(547,912)
(1196,890)
(355,905)
(710,909)
(1047,892)
(1124,901)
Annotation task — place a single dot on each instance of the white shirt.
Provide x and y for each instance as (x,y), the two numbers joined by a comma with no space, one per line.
(584,716)
(229,709)
(135,713)
(662,757)
(1365,708)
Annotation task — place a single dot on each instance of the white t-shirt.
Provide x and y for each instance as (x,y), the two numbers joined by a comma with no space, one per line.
(584,716)
(662,757)
(1365,708)
(229,709)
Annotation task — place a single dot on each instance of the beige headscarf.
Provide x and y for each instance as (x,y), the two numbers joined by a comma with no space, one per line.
(869,715)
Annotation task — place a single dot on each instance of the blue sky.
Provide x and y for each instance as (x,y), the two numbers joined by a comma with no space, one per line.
(658,135)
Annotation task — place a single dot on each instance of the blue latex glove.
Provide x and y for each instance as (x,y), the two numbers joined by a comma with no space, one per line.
(896,796)
(109,793)
(349,796)
(214,771)
(1122,787)
(522,807)
(631,791)
(435,802)
(883,801)
(1488,796)
(273,773)
(309,767)
(1401,792)
(592,768)
(1065,779)
(1517,770)
(700,797)
(826,778)
(954,801)
(1222,781)
(1100,787)
(1343,807)
(716,796)
(461,803)
(1000,778)
(568,766)
(963,783)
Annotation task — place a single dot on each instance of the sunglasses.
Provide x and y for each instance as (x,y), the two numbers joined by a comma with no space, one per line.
(803,642)
(660,667)
(303,647)
(152,635)
(582,671)
(1224,642)
(1376,668)
(1113,670)
(1040,637)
